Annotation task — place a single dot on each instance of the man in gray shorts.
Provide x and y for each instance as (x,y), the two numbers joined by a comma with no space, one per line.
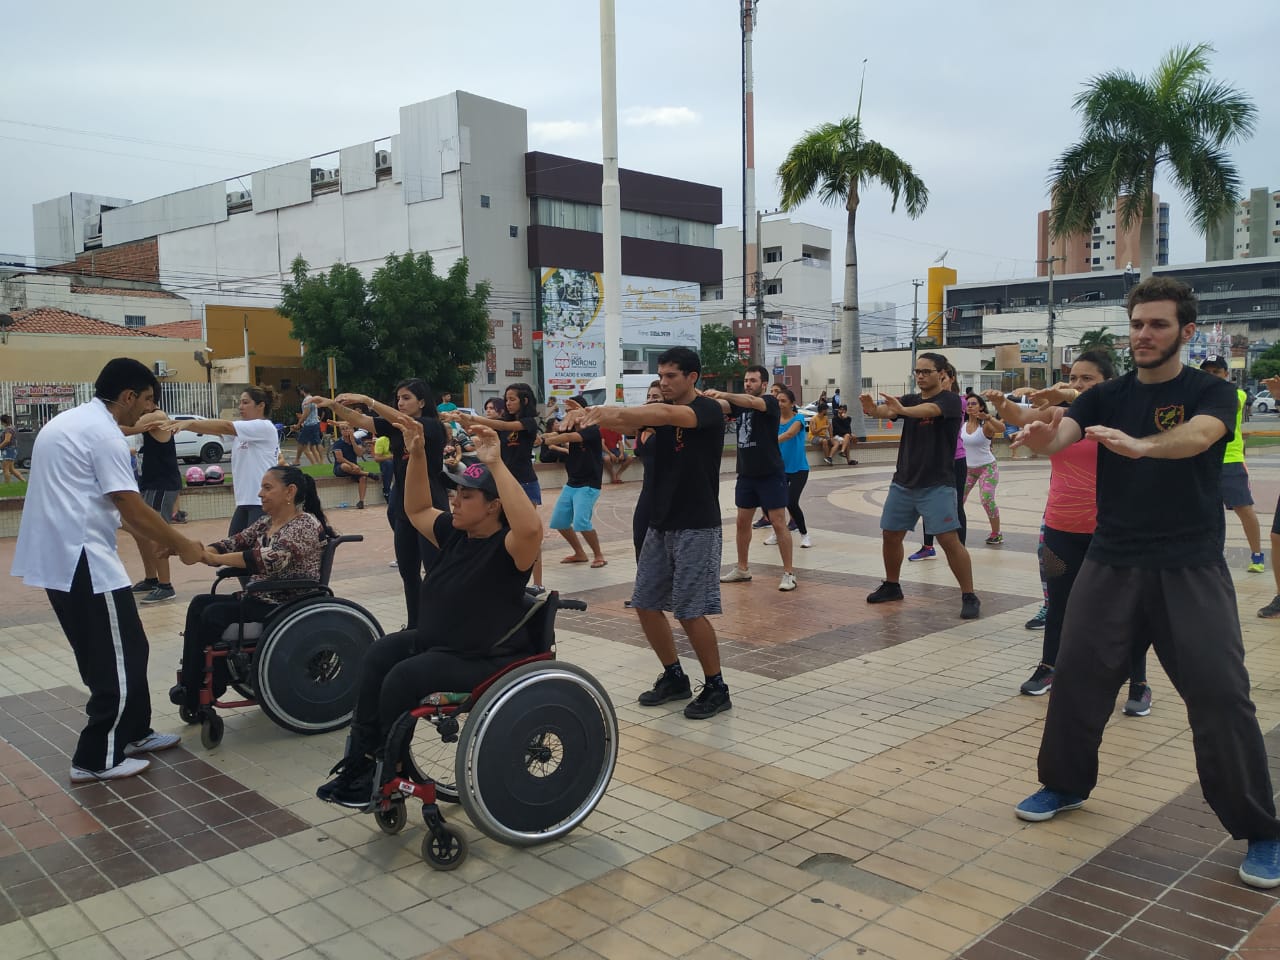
(923,484)
(679,565)
(1236,492)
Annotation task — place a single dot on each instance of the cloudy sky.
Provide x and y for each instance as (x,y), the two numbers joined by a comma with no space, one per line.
(143,98)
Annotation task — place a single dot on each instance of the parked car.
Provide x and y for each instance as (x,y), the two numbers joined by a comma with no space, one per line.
(1263,402)
(198,447)
(26,439)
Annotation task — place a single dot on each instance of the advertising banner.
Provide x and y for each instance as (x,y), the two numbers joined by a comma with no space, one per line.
(568,365)
(775,335)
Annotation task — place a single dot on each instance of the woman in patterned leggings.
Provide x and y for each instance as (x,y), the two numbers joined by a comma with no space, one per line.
(976,433)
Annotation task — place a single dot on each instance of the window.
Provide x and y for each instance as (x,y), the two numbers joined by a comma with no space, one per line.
(514,230)
(133,320)
(772,254)
(773,288)
(484,200)
(515,316)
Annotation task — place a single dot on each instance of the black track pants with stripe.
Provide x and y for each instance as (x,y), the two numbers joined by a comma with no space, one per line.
(111,652)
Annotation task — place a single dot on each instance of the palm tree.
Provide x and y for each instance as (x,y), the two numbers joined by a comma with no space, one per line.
(1179,117)
(1097,340)
(836,161)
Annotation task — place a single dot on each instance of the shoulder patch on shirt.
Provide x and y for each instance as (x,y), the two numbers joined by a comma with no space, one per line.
(1170,416)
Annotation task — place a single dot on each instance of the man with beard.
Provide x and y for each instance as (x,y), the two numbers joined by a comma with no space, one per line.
(1155,572)
(762,481)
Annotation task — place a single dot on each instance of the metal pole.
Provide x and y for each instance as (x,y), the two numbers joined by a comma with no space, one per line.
(750,238)
(915,327)
(611,205)
(759,281)
(1053,373)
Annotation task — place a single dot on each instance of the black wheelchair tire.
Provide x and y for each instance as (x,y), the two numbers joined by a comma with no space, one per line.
(537,753)
(306,667)
(430,758)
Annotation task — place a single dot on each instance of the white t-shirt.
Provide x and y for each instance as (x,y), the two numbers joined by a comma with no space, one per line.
(255,449)
(977,448)
(80,457)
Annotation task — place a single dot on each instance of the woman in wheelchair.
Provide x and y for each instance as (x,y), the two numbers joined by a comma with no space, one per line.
(285,543)
(468,607)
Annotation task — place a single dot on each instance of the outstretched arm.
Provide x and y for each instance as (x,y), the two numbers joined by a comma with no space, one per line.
(355,417)
(1186,440)
(1048,438)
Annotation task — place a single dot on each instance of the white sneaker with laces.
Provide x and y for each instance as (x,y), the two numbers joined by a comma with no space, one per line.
(735,575)
(152,743)
(788,582)
(771,540)
(127,767)
(805,541)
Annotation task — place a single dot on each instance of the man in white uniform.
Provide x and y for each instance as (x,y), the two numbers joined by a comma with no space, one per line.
(80,488)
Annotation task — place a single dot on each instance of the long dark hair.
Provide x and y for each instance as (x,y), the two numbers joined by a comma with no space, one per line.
(528,401)
(306,495)
(419,388)
(263,395)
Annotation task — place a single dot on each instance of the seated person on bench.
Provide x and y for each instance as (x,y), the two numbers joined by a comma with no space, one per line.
(468,606)
(283,544)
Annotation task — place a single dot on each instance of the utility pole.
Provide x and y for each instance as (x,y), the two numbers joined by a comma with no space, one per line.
(1053,367)
(915,328)
(759,265)
(750,238)
(611,206)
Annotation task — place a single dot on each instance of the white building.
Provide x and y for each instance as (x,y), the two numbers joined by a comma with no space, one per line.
(137,305)
(795,273)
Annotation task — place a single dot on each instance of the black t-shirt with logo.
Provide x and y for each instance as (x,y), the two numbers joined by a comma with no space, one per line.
(1158,513)
(927,451)
(686,471)
(474,595)
(584,462)
(517,449)
(159,464)
(758,453)
(433,436)
(841,426)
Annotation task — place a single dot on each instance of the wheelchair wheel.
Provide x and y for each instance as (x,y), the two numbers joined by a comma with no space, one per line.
(211,729)
(392,820)
(430,758)
(307,664)
(444,848)
(537,753)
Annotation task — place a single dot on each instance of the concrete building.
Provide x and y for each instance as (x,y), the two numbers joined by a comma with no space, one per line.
(456,180)
(1107,246)
(134,305)
(882,327)
(1251,230)
(794,291)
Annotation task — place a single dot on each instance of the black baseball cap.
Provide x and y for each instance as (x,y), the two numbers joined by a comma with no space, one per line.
(1216,361)
(474,475)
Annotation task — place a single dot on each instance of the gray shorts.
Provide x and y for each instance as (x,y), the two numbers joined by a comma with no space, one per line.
(162,502)
(679,571)
(935,505)
(1235,486)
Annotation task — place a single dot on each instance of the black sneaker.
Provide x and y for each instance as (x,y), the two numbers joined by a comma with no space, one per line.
(1038,621)
(886,592)
(666,688)
(709,702)
(1271,610)
(1139,702)
(160,594)
(353,784)
(146,586)
(969,604)
(1040,681)
(761,524)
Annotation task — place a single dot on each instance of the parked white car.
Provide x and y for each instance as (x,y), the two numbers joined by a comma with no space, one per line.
(1263,402)
(198,447)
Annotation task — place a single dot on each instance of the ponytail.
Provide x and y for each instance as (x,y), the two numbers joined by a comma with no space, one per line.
(307,497)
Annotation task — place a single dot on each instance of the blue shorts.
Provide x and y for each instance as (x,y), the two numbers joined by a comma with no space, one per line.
(533,491)
(768,493)
(936,505)
(574,508)
(309,435)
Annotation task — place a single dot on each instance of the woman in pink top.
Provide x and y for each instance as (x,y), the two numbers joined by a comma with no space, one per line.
(1070,517)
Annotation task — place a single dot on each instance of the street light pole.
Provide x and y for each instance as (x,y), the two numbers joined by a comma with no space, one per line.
(1053,369)
(915,325)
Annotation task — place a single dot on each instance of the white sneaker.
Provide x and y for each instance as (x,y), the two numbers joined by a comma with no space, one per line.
(127,767)
(788,582)
(805,541)
(152,743)
(735,575)
(772,540)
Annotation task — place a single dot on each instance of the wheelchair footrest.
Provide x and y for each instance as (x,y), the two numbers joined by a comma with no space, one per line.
(444,699)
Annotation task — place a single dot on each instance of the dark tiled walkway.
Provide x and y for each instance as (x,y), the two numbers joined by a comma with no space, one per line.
(60,844)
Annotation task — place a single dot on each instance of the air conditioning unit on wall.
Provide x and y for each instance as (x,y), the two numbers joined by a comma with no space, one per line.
(161,368)
(382,160)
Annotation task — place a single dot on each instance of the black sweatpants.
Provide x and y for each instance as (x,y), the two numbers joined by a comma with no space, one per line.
(245,515)
(795,487)
(394,679)
(111,652)
(640,521)
(208,616)
(961,467)
(1189,616)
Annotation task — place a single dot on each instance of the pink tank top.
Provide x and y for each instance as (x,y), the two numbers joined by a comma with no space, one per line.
(1073,488)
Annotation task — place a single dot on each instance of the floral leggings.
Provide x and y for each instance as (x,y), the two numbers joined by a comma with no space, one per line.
(986,477)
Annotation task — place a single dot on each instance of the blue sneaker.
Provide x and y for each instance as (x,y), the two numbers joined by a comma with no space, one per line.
(1045,804)
(1261,867)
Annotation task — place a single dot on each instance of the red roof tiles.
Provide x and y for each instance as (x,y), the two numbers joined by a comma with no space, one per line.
(52,320)
(184,329)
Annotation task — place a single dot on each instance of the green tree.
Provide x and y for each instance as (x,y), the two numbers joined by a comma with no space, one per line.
(1098,340)
(836,162)
(1267,365)
(721,361)
(1178,117)
(405,321)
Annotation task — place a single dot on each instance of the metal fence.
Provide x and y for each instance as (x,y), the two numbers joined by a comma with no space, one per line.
(35,404)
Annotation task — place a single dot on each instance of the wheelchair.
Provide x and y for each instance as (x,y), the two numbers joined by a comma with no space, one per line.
(528,753)
(300,665)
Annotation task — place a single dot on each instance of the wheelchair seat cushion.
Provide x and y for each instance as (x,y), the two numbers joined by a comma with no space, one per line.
(252,631)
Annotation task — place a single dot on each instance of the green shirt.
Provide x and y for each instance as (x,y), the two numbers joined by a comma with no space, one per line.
(1235,447)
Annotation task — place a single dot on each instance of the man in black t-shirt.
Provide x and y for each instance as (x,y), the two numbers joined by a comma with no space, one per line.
(762,482)
(1155,574)
(160,483)
(923,484)
(680,560)
(584,463)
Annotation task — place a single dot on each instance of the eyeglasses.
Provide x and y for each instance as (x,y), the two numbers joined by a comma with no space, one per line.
(922,373)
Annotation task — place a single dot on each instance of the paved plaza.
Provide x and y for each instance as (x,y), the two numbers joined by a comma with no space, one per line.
(857,802)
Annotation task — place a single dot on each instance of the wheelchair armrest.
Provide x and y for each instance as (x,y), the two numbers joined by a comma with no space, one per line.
(346,538)
(284,586)
(565,604)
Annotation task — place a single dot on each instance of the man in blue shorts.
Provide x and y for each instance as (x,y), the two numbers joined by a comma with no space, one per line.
(583,451)
(923,484)
(762,481)
(680,559)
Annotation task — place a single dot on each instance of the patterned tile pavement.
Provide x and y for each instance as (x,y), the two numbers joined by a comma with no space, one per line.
(855,803)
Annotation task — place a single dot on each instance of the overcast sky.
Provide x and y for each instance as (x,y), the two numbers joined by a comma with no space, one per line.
(976,96)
